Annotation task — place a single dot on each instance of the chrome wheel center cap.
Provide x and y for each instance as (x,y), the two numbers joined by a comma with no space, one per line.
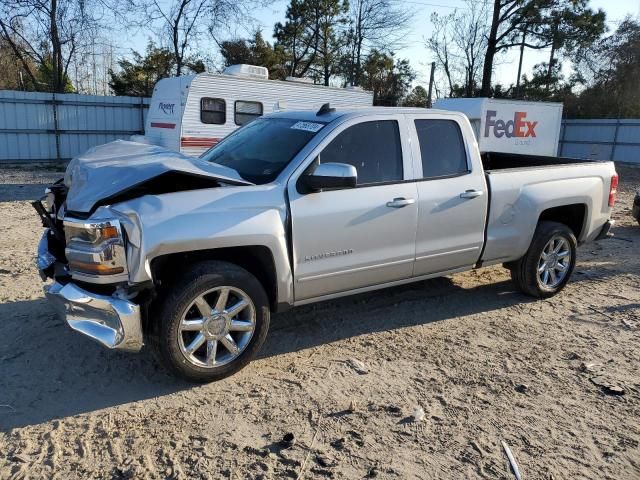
(215,326)
(552,261)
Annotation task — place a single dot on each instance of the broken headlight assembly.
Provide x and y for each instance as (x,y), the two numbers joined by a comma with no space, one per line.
(95,250)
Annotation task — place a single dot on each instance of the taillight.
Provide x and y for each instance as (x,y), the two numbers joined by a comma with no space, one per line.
(613,190)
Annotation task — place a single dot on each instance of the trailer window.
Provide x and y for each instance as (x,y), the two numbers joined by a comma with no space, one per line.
(441,148)
(213,111)
(246,111)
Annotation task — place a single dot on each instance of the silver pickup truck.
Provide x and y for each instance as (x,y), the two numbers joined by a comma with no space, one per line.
(144,245)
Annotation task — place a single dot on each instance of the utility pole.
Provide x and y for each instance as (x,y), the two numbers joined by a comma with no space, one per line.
(554,46)
(429,97)
(524,39)
(93,55)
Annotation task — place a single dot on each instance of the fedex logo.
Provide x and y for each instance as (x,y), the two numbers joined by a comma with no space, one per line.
(518,127)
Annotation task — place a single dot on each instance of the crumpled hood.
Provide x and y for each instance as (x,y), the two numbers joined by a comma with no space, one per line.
(108,171)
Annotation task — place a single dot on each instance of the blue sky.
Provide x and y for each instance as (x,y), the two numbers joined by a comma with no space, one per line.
(420,28)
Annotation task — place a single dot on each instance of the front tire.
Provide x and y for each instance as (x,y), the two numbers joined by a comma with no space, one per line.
(548,264)
(212,322)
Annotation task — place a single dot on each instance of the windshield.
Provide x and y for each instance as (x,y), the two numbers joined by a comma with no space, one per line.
(261,149)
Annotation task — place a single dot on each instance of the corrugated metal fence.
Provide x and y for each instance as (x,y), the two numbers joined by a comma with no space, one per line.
(44,126)
(617,140)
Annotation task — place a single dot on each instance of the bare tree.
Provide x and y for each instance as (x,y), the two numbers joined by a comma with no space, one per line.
(47,36)
(375,24)
(20,48)
(185,22)
(182,20)
(12,69)
(458,42)
(439,43)
(471,39)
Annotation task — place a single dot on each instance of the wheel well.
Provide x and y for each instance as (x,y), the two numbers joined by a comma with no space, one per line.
(257,260)
(573,216)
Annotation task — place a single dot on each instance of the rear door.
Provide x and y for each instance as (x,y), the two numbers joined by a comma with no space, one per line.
(452,194)
(363,236)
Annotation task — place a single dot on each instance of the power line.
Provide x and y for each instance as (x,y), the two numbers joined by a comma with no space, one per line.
(461,7)
(438,5)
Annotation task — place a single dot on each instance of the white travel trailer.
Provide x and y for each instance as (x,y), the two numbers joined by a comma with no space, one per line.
(511,126)
(190,114)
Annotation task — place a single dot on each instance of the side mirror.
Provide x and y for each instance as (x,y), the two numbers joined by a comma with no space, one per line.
(330,176)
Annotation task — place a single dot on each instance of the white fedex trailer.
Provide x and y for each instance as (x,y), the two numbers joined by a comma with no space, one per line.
(511,126)
(192,113)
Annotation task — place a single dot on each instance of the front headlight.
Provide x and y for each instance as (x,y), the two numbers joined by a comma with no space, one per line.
(95,248)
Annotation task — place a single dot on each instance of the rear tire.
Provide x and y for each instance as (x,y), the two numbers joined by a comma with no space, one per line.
(548,264)
(212,322)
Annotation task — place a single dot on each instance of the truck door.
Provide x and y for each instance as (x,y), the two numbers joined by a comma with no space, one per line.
(452,194)
(363,236)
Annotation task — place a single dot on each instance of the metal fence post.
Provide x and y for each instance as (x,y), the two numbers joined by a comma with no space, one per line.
(141,115)
(615,140)
(55,126)
(563,126)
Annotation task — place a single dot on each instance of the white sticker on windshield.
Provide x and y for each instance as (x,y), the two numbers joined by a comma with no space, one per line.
(307,126)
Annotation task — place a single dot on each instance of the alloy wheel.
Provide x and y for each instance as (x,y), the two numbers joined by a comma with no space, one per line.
(216,327)
(554,262)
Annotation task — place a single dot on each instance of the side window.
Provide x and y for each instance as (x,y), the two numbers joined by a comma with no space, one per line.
(374,148)
(246,111)
(213,111)
(442,148)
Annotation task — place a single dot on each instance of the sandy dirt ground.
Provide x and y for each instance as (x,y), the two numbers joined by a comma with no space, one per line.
(344,377)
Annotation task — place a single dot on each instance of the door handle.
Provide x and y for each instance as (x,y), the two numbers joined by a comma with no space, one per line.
(401,202)
(471,194)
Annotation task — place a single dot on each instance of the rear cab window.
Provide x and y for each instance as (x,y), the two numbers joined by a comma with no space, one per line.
(442,148)
(374,148)
(213,111)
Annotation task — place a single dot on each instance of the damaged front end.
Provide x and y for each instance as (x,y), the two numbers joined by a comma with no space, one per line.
(74,254)
(50,258)
(88,246)
(121,170)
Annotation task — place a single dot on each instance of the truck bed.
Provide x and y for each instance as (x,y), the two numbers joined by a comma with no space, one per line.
(506,161)
(522,187)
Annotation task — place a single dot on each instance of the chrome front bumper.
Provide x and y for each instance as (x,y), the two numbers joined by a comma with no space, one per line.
(113,322)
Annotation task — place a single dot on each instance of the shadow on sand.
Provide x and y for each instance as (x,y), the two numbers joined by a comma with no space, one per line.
(12,192)
(47,371)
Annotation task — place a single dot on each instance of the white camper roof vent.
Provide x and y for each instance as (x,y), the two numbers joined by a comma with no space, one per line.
(244,70)
(300,80)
